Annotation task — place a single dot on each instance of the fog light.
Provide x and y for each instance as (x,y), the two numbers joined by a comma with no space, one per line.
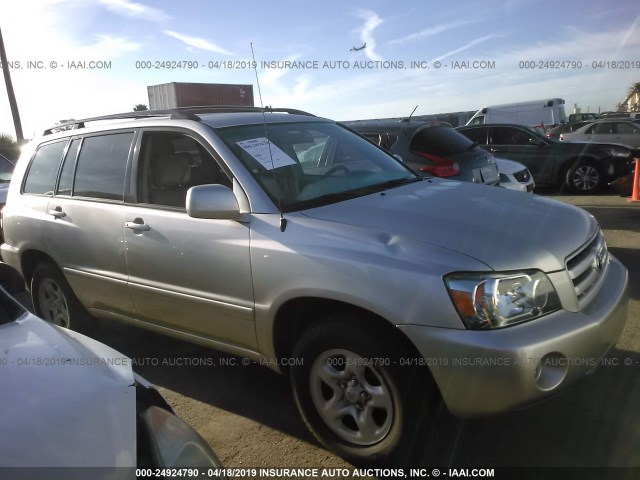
(551,370)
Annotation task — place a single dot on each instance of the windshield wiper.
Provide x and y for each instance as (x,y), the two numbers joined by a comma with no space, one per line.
(349,194)
(396,183)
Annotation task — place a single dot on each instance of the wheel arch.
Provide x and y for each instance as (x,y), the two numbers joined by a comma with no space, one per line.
(30,260)
(297,315)
(564,168)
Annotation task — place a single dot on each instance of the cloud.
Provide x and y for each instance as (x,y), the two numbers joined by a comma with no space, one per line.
(274,74)
(135,10)
(196,42)
(469,45)
(108,46)
(432,31)
(371,22)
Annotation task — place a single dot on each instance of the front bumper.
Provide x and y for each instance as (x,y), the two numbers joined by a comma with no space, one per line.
(485,372)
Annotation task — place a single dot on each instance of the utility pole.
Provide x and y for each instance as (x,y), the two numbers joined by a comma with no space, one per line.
(12,97)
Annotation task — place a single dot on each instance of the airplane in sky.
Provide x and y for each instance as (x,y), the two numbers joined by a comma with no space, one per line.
(357,49)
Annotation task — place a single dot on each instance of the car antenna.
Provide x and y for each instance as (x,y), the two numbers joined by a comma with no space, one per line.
(283,221)
(408,119)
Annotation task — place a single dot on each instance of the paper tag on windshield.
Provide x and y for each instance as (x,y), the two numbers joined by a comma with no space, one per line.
(269,155)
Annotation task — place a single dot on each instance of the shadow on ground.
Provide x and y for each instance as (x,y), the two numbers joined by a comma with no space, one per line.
(595,423)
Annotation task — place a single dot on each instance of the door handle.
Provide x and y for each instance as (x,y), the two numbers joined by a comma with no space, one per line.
(137,225)
(57,212)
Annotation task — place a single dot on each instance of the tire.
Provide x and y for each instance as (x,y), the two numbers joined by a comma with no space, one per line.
(355,397)
(584,177)
(54,301)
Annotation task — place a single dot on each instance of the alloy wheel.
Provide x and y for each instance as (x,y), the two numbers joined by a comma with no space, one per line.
(53,303)
(351,397)
(585,178)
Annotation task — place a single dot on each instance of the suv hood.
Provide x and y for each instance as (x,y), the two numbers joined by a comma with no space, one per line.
(71,399)
(503,229)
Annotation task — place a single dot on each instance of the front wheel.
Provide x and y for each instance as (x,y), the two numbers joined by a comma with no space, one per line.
(54,301)
(584,178)
(354,395)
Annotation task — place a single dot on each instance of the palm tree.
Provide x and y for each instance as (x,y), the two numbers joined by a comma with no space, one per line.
(6,139)
(633,104)
(140,107)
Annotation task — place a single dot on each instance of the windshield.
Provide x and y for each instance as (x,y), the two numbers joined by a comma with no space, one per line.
(303,165)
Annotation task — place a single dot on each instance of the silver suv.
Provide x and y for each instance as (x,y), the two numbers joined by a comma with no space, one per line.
(292,241)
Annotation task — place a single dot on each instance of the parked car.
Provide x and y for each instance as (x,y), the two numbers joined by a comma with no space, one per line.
(581,167)
(583,117)
(618,115)
(6,170)
(383,294)
(615,131)
(515,176)
(565,127)
(432,148)
(73,408)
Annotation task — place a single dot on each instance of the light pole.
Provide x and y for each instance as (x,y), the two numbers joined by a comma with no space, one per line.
(12,97)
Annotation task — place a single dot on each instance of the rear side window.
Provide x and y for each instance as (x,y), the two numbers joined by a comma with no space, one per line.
(102,163)
(440,140)
(599,128)
(624,128)
(41,178)
(478,135)
(510,136)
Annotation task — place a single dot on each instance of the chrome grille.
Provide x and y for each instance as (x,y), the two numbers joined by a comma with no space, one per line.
(587,269)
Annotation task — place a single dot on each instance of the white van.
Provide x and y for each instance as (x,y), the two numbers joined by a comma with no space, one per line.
(531,113)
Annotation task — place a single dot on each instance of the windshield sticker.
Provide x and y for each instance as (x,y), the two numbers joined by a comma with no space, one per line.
(267,153)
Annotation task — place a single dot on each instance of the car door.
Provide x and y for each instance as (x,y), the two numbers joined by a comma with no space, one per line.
(84,231)
(186,274)
(523,146)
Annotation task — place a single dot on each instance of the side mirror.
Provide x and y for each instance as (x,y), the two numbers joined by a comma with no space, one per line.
(215,202)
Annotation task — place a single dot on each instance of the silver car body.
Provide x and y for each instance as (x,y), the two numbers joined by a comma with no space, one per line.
(515,176)
(72,407)
(67,400)
(618,130)
(226,282)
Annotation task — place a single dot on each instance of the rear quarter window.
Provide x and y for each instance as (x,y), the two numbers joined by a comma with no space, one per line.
(41,177)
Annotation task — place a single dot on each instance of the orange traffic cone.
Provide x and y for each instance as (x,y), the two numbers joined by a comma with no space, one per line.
(635,195)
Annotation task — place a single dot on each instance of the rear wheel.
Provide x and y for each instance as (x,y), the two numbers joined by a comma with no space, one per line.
(584,178)
(354,395)
(55,302)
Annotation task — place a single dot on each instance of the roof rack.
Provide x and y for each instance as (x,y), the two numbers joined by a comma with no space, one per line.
(180,113)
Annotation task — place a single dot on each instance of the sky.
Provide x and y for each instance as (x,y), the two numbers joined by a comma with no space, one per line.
(83,58)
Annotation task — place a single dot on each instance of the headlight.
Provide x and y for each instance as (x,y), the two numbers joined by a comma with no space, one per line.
(175,444)
(487,301)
